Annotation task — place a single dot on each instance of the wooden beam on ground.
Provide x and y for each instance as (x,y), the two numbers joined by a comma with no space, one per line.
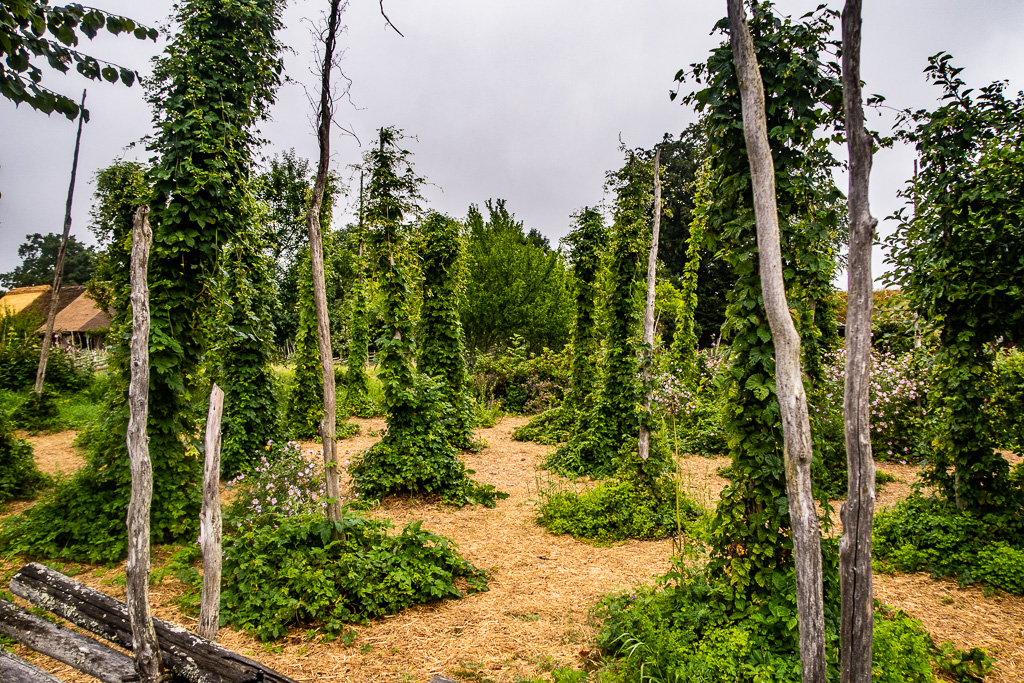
(14,669)
(184,653)
(64,645)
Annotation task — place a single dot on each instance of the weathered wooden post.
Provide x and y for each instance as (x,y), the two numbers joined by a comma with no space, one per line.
(796,426)
(144,643)
(211,526)
(652,265)
(58,271)
(857,615)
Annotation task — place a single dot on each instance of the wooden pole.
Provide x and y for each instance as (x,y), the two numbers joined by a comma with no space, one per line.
(211,525)
(144,643)
(316,254)
(796,426)
(58,271)
(857,611)
(652,264)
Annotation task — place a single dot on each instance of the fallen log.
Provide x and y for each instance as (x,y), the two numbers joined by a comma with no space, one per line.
(64,645)
(16,670)
(187,655)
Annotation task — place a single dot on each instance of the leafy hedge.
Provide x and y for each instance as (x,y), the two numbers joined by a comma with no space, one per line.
(298,572)
(928,534)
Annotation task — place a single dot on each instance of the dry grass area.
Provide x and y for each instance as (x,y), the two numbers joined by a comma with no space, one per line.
(535,615)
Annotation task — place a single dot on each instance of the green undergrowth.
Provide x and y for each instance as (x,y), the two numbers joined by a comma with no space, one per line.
(616,510)
(285,563)
(551,427)
(19,476)
(299,572)
(927,534)
(681,630)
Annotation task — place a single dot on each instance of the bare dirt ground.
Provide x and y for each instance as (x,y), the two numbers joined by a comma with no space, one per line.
(535,615)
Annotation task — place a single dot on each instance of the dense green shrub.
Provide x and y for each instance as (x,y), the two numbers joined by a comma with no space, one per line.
(1008,399)
(285,565)
(19,476)
(678,631)
(521,382)
(928,534)
(37,413)
(615,510)
(19,357)
(298,573)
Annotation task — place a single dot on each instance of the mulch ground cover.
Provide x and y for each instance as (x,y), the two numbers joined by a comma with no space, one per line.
(535,617)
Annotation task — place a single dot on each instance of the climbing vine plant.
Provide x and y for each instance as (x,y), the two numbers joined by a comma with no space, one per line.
(442,353)
(416,454)
(750,545)
(244,348)
(217,78)
(957,258)
(562,422)
(605,440)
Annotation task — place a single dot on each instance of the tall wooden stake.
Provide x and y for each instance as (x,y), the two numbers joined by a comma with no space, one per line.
(144,643)
(211,526)
(857,618)
(58,271)
(652,264)
(316,254)
(796,426)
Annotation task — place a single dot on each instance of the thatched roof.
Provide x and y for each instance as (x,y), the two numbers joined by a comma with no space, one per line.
(76,312)
(22,298)
(81,315)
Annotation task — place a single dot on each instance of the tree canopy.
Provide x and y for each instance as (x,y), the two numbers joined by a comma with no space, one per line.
(39,257)
(33,30)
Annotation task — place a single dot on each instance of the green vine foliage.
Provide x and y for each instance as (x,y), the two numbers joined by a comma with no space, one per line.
(559,423)
(957,259)
(251,417)
(306,397)
(751,549)
(605,440)
(216,79)
(357,381)
(684,343)
(415,455)
(84,516)
(442,353)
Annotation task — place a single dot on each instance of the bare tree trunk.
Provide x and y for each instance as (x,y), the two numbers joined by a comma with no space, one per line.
(652,264)
(144,643)
(796,425)
(58,271)
(857,618)
(316,254)
(210,524)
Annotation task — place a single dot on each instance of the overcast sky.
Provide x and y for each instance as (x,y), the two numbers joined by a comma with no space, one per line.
(524,100)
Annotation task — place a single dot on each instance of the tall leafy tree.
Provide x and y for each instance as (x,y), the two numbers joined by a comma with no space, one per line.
(514,286)
(33,30)
(957,258)
(39,256)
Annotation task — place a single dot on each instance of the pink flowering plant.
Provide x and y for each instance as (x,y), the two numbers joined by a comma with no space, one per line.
(899,385)
(284,481)
(693,406)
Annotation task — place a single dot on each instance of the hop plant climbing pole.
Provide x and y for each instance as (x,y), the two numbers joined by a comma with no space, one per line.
(789,380)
